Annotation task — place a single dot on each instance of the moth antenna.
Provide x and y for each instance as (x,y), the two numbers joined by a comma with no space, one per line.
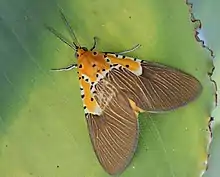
(61,37)
(70,30)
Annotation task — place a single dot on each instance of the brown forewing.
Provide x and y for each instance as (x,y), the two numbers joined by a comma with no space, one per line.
(114,133)
(158,88)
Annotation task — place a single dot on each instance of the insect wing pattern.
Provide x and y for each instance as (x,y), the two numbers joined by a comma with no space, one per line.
(127,87)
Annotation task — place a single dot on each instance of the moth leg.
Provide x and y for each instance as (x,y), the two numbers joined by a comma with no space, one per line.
(68,68)
(94,44)
(129,50)
(135,108)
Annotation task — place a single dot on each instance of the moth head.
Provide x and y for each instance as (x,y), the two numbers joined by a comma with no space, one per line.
(80,51)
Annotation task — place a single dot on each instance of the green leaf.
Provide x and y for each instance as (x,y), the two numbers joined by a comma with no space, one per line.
(43,131)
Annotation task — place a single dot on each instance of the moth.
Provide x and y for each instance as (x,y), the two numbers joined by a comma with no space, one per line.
(115,89)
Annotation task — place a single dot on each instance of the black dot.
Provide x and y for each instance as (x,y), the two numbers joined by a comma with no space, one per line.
(123,56)
(77,72)
(94,53)
(97,75)
(92,83)
(87,80)
(111,66)
(93,65)
(58,166)
(91,87)
(82,96)
(135,59)
(81,88)
(80,66)
(82,77)
(142,61)
(116,55)
(86,114)
(84,107)
(107,60)
(77,55)
(92,99)
(79,78)
(103,69)
(127,66)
